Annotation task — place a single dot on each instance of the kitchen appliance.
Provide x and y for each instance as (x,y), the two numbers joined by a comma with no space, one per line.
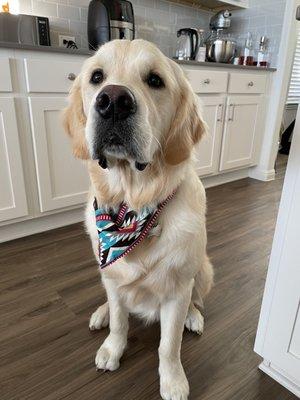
(24,29)
(109,20)
(220,48)
(221,20)
(187,44)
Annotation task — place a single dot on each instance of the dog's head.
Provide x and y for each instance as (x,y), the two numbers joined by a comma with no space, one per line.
(131,102)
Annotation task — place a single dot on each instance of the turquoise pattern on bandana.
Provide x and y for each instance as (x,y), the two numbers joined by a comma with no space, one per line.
(119,233)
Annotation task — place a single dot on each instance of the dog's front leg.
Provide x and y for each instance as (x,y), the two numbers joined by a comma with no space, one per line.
(173,382)
(109,354)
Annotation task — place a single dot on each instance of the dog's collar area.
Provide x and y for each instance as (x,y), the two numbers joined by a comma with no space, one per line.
(121,232)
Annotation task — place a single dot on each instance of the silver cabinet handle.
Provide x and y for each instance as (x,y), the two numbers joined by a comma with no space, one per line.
(220,113)
(251,83)
(206,81)
(231,112)
(71,76)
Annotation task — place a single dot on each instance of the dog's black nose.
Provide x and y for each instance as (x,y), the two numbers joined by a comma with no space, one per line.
(115,101)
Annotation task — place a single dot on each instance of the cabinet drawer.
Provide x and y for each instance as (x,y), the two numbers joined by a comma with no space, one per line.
(207,81)
(247,83)
(50,76)
(5,77)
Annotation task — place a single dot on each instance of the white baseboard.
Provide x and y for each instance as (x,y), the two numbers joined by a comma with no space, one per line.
(216,180)
(278,377)
(41,224)
(262,175)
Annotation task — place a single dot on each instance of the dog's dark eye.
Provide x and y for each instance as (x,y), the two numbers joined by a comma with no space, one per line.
(155,81)
(97,76)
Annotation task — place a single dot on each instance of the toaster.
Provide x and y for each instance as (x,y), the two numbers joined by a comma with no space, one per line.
(24,29)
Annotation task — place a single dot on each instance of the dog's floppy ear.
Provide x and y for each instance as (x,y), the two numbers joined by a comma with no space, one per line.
(74,121)
(187,126)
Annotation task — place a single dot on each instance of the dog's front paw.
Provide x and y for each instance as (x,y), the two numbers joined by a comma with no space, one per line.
(106,359)
(174,386)
(100,318)
(109,354)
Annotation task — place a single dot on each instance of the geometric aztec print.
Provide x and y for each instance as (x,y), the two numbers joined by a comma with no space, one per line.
(119,233)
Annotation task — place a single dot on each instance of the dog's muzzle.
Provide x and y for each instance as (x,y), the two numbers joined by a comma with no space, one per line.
(116,107)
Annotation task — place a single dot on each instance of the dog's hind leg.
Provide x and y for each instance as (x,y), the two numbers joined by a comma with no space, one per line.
(194,321)
(203,282)
(100,318)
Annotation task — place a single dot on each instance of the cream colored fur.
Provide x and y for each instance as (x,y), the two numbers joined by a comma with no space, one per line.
(169,272)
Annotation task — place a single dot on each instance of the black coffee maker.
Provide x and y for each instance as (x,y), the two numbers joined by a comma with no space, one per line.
(109,20)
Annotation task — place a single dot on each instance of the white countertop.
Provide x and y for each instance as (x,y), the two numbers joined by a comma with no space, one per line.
(87,52)
(223,65)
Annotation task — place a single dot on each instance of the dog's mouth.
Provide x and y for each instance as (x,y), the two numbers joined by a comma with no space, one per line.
(119,144)
(113,147)
(102,161)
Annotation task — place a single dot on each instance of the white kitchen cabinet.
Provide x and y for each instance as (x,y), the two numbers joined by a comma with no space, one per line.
(278,336)
(208,150)
(50,76)
(241,135)
(207,81)
(62,180)
(5,76)
(13,202)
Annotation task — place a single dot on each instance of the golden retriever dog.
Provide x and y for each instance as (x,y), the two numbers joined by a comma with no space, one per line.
(133,117)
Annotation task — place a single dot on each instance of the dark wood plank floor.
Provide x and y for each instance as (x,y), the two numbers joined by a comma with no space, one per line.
(50,286)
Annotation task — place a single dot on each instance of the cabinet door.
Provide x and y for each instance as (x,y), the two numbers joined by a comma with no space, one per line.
(208,150)
(62,180)
(241,132)
(278,339)
(5,76)
(13,202)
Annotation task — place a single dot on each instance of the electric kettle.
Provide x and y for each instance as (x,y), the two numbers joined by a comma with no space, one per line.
(187,44)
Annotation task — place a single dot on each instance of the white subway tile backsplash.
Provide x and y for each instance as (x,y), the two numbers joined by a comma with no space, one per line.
(159,20)
(25,7)
(79,3)
(83,14)
(139,11)
(257,22)
(162,5)
(78,27)
(43,8)
(57,1)
(145,3)
(69,12)
(59,24)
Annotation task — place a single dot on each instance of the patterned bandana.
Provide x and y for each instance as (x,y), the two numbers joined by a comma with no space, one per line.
(119,233)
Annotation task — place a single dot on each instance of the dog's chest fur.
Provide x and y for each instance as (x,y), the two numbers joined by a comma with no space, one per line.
(161,265)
